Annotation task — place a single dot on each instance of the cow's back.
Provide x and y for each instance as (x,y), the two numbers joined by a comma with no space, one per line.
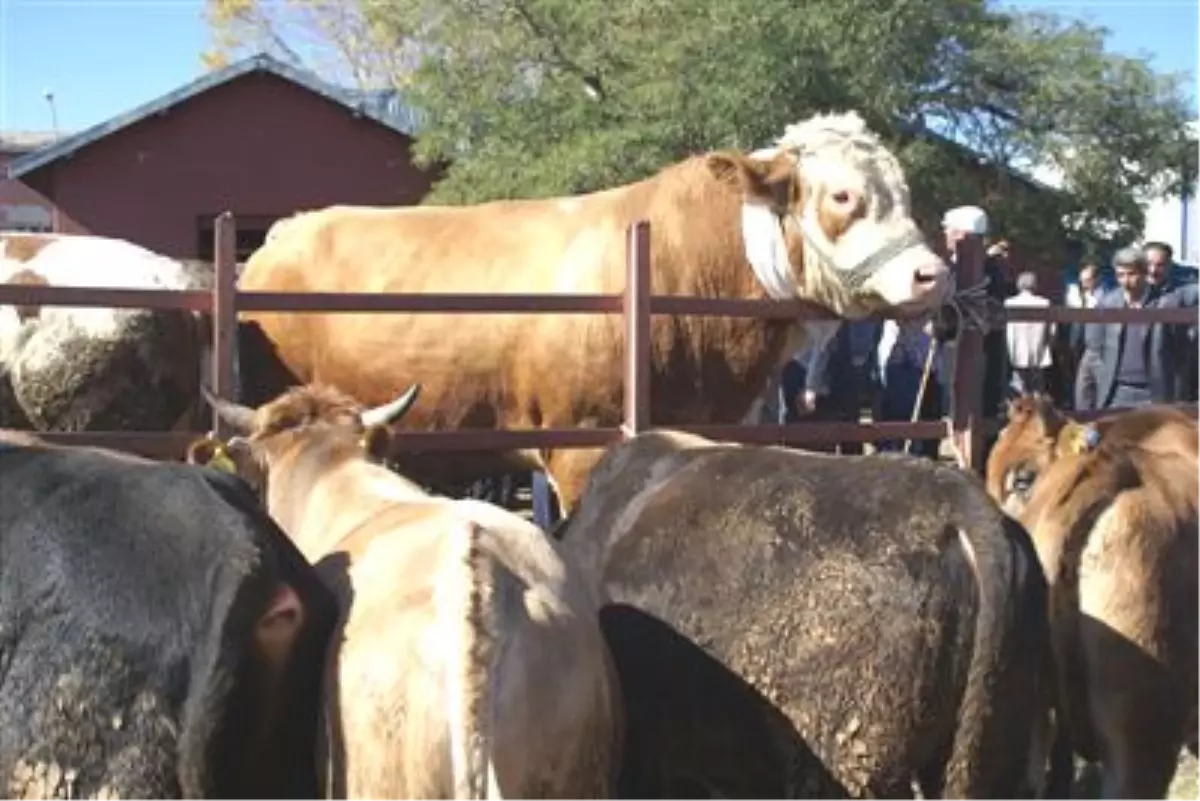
(1115,530)
(68,369)
(409,642)
(836,588)
(128,596)
(518,370)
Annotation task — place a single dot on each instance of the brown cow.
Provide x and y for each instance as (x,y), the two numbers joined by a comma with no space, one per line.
(825,217)
(788,624)
(469,659)
(1037,434)
(1112,509)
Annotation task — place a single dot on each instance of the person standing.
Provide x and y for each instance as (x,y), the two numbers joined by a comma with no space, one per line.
(902,352)
(1160,266)
(1084,296)
(1029,342)
(837,372)
(1161,274)
(1135,363)
(959,223)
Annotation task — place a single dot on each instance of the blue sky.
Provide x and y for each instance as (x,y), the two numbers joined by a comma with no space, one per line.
(102,57)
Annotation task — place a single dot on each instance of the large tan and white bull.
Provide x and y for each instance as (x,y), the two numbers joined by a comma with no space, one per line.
(824,215)
(1112,508)
(468,661)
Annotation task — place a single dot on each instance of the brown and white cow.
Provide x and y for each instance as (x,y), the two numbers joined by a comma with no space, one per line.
(825,216)
(468,661)
(1112,508)
(73,368)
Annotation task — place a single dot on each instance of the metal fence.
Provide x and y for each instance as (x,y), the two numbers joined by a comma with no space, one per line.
(636,304)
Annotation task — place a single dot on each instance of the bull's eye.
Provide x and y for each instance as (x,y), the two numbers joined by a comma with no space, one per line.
(1020,481)
(841,198)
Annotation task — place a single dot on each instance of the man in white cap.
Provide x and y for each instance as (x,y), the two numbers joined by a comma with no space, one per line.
(902,348)
(963,221)
(958,223)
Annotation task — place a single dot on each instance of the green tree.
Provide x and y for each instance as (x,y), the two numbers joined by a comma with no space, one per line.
(527,98)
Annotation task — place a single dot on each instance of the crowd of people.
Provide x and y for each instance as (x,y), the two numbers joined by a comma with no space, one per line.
(886,366)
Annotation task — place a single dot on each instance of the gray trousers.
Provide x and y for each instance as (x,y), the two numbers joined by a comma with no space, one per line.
(1126,396)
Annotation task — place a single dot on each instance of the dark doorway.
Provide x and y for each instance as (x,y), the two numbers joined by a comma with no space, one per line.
(251,231)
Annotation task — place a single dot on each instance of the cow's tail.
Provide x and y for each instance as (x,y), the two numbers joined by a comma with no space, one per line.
(473,611)
(1005,686)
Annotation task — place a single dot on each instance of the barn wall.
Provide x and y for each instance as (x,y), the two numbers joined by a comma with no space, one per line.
(258,145)
(21,207)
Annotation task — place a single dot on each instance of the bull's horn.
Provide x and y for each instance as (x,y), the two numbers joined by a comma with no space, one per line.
(240,418)
(391,412)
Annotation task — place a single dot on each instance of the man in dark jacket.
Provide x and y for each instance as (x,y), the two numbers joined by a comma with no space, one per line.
(838,375)
(1163,276)
(1136,364)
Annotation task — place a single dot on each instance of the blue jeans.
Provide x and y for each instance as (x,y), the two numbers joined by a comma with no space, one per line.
(901,380)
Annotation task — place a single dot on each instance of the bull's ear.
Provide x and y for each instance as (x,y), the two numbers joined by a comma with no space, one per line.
(766,181)
(376,442)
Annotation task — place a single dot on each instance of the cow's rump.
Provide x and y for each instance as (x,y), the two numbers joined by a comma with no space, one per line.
(132,596)
(883,605)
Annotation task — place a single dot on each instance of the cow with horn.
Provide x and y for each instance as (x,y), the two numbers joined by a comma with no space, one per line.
(468,661)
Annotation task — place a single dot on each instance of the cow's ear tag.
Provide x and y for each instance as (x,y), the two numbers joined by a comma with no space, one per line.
(1076,438)
(209,451)
(221,460)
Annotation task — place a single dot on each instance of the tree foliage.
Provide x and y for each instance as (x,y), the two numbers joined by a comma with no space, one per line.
(529,98)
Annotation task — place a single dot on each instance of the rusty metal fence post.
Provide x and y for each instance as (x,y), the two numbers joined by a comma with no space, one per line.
(969,371)
(224,316)
(637,330)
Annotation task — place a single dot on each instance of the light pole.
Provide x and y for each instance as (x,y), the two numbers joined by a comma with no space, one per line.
(49,95)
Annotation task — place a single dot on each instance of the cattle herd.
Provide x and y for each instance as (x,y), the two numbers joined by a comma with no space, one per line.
(297,611)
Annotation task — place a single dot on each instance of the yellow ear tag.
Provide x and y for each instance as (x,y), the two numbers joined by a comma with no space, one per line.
(1076,438)
(220,460)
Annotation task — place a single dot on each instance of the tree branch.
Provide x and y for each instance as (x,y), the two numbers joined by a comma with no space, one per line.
(559,58)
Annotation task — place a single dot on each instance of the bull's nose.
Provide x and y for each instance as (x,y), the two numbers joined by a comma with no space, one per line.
(930,277)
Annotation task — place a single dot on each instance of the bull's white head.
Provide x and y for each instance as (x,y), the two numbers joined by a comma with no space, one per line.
(826,216)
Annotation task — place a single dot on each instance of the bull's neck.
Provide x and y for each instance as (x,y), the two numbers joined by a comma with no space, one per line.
(739,355)
(319,498)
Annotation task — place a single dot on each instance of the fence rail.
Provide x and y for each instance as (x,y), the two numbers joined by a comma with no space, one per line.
(636,304)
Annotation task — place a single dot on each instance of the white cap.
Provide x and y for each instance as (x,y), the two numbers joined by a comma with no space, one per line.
(969,219)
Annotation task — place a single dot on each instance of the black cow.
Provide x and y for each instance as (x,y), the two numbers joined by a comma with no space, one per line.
(159,635)
(841,625)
